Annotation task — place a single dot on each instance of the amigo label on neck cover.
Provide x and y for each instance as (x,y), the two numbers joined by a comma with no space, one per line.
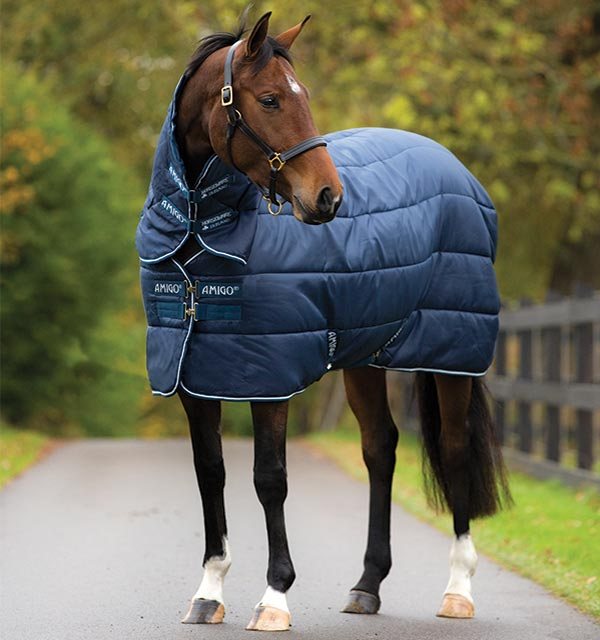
(172,210)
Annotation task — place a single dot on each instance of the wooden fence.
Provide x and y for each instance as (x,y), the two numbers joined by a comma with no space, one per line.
(546,381)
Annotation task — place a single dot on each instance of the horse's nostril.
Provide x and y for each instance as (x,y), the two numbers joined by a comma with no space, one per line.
(325,201)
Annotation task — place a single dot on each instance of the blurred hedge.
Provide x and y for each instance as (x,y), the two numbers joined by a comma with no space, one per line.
(67,263)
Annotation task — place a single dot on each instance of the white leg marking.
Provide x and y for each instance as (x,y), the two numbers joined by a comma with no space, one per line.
(273,598)
(463,562)
(215,569)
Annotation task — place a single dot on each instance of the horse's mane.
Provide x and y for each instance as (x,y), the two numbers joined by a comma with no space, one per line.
(209,44)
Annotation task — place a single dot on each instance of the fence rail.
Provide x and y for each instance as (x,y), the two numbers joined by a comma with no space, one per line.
(546,380)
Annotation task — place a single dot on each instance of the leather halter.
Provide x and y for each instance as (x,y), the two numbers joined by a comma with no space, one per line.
(236,121)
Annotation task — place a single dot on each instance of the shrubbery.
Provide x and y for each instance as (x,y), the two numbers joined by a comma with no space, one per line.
(67,261)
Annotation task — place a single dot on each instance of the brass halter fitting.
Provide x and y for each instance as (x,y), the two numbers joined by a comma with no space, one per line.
(277,162)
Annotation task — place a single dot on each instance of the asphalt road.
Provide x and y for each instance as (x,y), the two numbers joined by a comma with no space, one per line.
(103,539)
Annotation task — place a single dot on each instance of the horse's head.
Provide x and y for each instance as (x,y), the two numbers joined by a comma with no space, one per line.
(259,123)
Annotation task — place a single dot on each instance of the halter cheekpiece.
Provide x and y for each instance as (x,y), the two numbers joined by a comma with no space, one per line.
(235,120)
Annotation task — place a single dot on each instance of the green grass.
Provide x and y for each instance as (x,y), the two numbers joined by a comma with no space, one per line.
(18,450)
(551,535)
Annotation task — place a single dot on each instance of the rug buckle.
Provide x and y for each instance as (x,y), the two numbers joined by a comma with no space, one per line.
(190,311)
(192,288)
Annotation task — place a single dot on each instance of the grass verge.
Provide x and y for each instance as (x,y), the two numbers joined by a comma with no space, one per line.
(550,535)
(18,450)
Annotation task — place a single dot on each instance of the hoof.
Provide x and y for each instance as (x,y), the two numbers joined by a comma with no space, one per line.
(269,619)
(455,606)
(205,612)
(362,602)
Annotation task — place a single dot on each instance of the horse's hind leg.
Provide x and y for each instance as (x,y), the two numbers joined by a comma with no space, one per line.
(204,417)
(270,481)
(367,396)
(454,399)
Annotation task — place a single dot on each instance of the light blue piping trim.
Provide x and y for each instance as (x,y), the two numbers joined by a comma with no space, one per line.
(167,255)
(291,395)
(450,373)
(227,398)
(219,253)
(185,264)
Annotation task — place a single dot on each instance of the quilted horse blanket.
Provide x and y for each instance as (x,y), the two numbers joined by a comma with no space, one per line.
(402,278)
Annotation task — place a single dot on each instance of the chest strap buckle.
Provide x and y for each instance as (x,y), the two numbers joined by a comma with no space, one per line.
(190,311)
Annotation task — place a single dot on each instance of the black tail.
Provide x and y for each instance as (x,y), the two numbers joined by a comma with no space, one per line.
(488,485)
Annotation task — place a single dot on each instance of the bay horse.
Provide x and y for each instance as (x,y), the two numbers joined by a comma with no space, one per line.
(239,102)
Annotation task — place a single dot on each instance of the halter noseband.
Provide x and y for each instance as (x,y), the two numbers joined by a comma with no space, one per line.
(276,159)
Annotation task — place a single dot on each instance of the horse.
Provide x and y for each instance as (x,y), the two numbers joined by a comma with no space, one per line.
(239,136)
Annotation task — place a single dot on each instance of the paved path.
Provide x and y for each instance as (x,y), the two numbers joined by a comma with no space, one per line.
(104,539)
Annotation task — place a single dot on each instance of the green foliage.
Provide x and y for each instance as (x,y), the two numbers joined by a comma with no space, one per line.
(18,450)
(67,255)
(115,68)
(549,535)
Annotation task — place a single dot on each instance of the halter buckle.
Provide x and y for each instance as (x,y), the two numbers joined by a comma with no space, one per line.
(227,95)
(276,158)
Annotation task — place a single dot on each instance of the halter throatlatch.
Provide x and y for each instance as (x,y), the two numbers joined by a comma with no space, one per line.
(235,120)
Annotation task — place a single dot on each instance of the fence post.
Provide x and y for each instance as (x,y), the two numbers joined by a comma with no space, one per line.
(551,363)
(500,370)
(583,345)
(524,427)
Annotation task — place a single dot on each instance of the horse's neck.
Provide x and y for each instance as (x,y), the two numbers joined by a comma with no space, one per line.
(190,131)
(194,153)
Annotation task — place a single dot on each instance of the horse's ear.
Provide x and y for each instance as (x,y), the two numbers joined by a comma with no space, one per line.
(257,37)
(286,39)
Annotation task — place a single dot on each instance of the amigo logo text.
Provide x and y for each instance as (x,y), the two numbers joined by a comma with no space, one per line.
(217,289)
(168,288)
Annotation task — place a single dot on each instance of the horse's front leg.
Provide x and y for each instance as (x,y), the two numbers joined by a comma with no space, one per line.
(366,391)
(204,417)
(270,481)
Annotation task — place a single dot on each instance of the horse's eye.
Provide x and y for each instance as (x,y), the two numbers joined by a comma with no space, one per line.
(270,102)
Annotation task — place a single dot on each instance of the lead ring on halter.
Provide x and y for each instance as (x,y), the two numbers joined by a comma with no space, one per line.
(235,120)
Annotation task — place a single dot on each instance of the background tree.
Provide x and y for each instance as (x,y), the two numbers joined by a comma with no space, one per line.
(66,258)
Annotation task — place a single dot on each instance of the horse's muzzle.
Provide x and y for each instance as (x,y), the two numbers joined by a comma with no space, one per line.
(327,206)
